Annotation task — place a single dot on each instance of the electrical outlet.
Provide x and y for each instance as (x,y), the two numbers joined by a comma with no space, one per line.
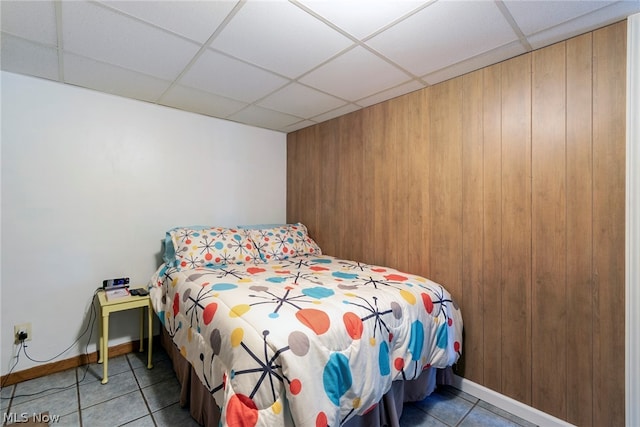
(23,327)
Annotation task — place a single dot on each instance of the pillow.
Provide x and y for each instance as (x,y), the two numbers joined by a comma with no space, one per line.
(259,226)
(282,242)
(169,253)
(212,246)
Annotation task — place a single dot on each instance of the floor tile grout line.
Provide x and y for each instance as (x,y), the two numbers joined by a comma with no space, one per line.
(38,394)
(493,413)
(13,392)
(4,423)
(467,414)
(146,403)
(78,397)
(130,359)
(77,384)
(476,403)
(112,398)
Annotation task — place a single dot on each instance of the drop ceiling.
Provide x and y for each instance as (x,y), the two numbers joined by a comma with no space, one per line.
(280,65)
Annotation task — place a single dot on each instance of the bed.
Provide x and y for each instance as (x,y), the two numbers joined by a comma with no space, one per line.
(266,330)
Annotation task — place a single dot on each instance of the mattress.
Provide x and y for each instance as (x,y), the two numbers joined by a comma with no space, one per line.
(309,340)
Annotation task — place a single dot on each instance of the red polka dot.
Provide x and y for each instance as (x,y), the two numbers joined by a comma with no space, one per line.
(395,277)
(353,325)
(295,387)
(241,411)
(398,364)
(318,321)
(209,312)
(428,304)
(321,420)
(370,409)
(176,304)
(208,257)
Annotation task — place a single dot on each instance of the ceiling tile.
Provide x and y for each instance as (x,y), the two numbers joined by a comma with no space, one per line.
(607,15)
(301,101)
(95,32)
(33,20)
(489,58)
(441,34)
(262,117)
(196,20)
(411,86)
(361,18)
(189,99)
(24,57)
(346,109)
(347,75)
(107,78)
(219,74)
(140,48)
(297,126)
(290,42)
(532,17)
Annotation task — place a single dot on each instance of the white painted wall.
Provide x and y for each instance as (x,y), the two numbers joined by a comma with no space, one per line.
(90,184)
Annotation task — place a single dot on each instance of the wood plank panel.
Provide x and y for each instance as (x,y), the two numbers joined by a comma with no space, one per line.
(491,355)
(472,220)
(609,73)
(406,114)
(369,135)
(445,185)
(351,189)
(294,190)
(433,207)
(329,177)
(398,137)
(579,391)
(416,164)
(304,200)
(366,188)
(382,160)
(548,223)
(516,228)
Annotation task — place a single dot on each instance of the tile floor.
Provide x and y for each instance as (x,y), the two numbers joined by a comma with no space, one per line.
(138,397)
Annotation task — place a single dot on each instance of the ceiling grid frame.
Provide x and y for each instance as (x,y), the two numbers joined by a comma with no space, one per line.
(359,67)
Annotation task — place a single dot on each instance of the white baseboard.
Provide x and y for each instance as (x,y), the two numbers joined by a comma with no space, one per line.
(508,404)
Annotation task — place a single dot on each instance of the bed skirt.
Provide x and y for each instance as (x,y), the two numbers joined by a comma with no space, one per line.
(204,411)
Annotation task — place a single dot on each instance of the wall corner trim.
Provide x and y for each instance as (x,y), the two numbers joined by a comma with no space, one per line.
(632,246)
(508,404)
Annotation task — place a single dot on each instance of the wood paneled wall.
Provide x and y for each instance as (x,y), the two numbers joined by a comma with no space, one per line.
(507,186)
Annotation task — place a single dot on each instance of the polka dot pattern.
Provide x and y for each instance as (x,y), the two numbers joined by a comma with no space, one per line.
(310,338)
